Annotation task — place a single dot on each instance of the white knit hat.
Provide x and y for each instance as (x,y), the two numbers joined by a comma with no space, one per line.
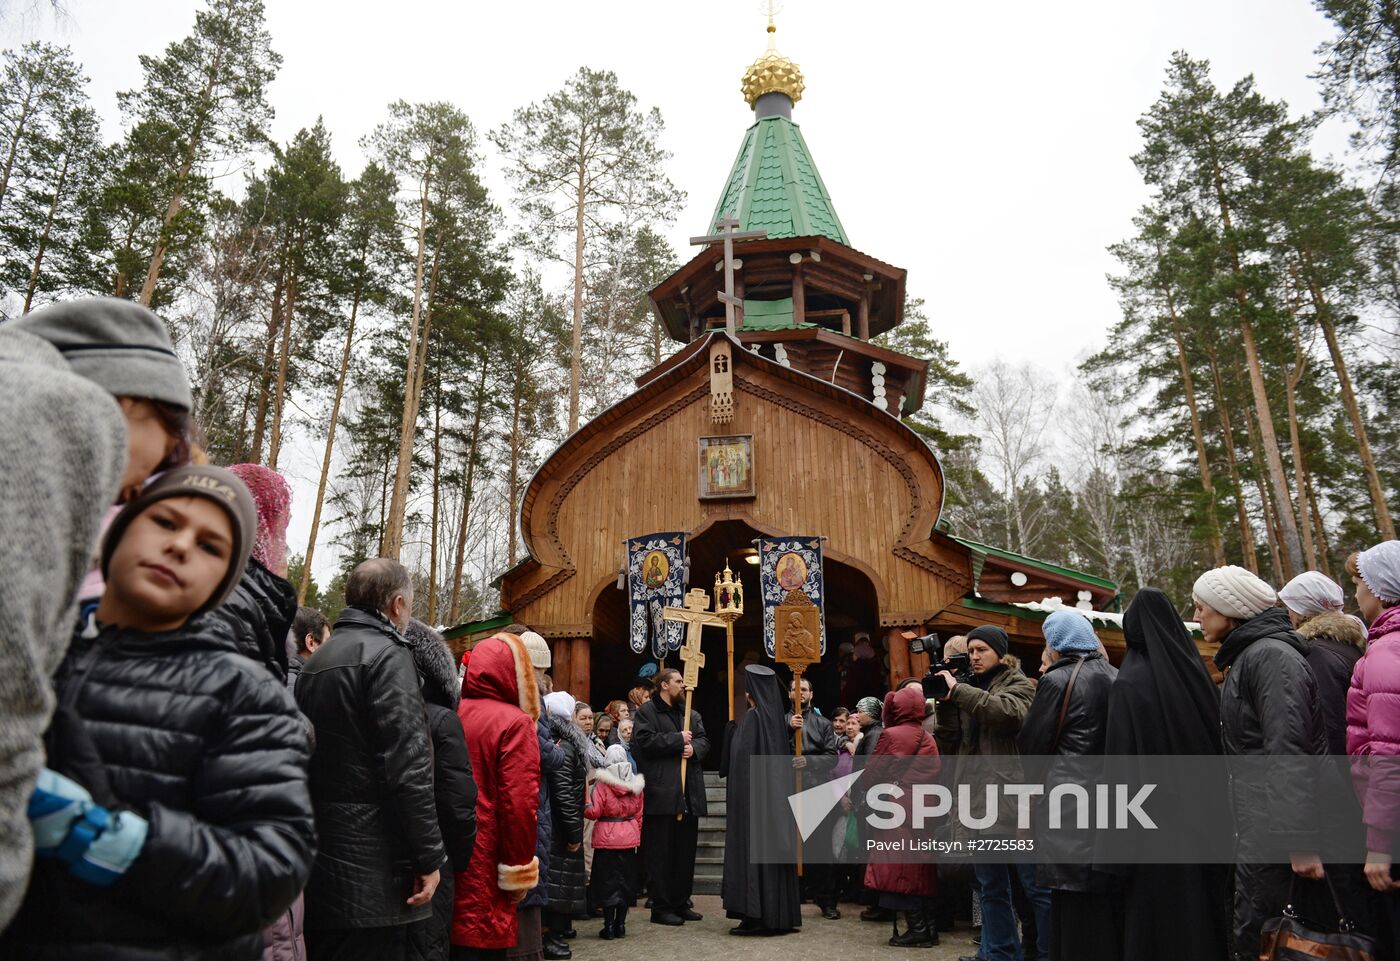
(538,650)
(1234,592)
(1312,593)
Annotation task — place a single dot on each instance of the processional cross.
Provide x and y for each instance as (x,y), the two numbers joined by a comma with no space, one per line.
(728,232)
(696,618)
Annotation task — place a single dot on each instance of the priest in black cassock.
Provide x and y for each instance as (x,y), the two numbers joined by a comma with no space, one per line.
(762,897)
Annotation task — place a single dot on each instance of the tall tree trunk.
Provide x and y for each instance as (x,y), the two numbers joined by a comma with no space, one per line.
(1324,549)
(15,137)
(1291,548)
(274,324)
(576,340)
(330,442)
(513,479)
(274,445)
(398,505)
(1227,435)
(44,237)
(1271,526)
(1273,458)
(1217,543)
(1385,524)
(177,194)
(1291,381)
(240,447)
(437,498)
(460,554)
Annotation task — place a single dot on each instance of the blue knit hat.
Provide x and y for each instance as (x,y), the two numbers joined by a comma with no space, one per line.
(1069,633)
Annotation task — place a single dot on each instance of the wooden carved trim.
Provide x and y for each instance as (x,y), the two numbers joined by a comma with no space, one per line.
(890,456)
(556,631)
(568,569)
(907,618)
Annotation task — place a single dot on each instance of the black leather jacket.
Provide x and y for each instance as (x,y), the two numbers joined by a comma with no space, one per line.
(206,745)
(1087,719)
(371,776)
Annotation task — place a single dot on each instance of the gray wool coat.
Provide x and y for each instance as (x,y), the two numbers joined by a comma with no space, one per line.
(62,453)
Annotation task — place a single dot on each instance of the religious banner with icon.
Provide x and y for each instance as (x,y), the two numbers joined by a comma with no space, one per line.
(788,565)
(655,581)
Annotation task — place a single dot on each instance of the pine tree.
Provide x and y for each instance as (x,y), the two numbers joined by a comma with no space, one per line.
(204,99)
(580,159)
(947,388)
(371,249)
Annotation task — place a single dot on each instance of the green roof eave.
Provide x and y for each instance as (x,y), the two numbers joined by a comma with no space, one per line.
(1037,564)
(493,623)
(775,186)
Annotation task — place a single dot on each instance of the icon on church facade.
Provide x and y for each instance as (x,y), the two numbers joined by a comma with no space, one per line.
(726,467)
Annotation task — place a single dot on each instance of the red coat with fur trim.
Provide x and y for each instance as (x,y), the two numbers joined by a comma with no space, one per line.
(614,798)
(500,704)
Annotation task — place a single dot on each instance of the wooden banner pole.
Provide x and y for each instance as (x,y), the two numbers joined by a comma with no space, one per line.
(797,746)
(685,728)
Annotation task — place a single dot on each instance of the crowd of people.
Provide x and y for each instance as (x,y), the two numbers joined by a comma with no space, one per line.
(195,767)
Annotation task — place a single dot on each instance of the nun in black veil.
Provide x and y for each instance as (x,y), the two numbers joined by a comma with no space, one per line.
(1164,703)
(764,898)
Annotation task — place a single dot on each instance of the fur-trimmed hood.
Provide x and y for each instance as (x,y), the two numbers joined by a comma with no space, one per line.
(434,662)
(634,784)
(499,670)
(1340,627)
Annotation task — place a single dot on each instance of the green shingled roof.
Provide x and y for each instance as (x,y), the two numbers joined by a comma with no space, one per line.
(774,186)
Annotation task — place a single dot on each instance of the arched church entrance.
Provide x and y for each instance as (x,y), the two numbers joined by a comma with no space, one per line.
(852,606)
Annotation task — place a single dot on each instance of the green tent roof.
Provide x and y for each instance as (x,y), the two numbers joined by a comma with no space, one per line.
(774,186)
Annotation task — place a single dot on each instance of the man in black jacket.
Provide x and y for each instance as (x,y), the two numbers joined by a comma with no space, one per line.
(659,741)
(371,777)
(818,741)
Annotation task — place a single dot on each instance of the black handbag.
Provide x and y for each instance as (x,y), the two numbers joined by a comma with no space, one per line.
(1290,939)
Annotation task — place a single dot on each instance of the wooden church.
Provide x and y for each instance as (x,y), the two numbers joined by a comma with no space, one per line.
(778,369)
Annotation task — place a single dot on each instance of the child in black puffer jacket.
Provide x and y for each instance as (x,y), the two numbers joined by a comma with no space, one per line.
(173,820)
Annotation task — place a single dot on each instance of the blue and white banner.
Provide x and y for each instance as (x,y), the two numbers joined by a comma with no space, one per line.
(789,564)
(655,580)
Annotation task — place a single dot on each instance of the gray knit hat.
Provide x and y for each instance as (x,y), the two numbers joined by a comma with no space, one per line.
(117,344)
(212,483)
(1235,592)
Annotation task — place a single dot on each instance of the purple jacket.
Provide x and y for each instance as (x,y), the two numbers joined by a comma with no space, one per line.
(283,941)
(1373,729)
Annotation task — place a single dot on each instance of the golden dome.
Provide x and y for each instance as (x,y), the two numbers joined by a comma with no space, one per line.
(772,73)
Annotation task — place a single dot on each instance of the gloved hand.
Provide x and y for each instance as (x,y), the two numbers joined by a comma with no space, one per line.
(57,802)
(108,856)
(97,845)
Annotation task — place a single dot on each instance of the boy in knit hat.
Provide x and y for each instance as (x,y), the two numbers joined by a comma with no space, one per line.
(174,819)
(1269,705)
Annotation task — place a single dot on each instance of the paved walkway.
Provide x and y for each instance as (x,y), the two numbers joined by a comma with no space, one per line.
(849,939)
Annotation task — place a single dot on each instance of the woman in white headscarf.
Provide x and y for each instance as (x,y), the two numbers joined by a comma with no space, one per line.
(1335,642)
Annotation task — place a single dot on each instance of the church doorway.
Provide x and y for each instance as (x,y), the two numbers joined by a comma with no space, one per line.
(851,607)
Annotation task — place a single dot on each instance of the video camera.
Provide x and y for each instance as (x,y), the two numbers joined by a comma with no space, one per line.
(958,665)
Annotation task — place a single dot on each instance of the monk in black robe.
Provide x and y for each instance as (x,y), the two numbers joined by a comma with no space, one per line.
(762,897)
(1163,703)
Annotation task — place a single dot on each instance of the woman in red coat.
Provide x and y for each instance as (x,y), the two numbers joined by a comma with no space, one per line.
(499,707)
(903,881)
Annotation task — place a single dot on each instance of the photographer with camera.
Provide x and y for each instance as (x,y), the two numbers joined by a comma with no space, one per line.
(981,715)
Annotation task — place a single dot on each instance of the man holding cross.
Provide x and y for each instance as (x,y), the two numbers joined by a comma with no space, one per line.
(672,807)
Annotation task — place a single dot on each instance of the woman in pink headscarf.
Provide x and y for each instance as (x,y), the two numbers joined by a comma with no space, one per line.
(259,613)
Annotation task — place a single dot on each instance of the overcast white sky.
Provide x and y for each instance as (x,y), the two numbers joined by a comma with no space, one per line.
(983,146)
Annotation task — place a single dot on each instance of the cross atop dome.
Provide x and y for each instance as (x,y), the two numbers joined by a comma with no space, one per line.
(773,73)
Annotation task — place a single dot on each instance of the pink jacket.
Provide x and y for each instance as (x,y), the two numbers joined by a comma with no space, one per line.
(1373,729)
(617,807)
